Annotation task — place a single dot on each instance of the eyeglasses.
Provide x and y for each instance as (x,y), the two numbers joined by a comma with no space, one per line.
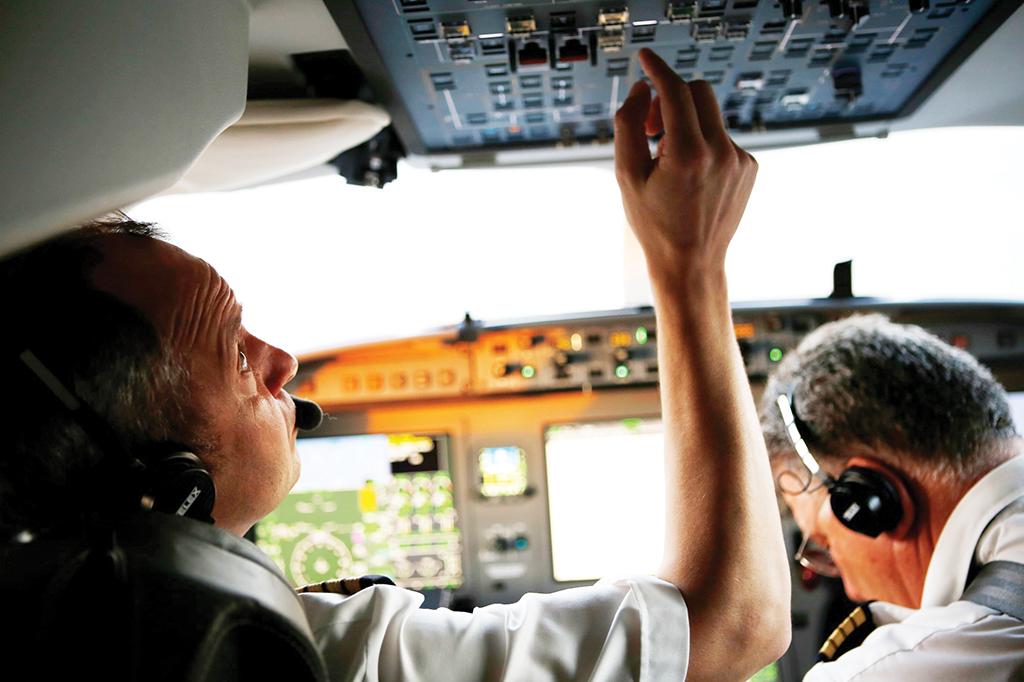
(796,482)
(817,558)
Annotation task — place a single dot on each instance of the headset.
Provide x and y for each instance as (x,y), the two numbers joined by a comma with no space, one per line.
(862,499)
(164,477)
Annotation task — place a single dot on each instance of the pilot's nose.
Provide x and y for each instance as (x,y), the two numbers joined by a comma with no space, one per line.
(281,368)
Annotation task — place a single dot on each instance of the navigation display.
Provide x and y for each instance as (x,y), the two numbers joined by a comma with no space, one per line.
(369,504)
(502,472)
(605,497)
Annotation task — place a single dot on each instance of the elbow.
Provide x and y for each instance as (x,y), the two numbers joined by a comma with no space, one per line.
(777,639)
(767,630)
(738,640)
(766,639)
(739,623)
(773,625)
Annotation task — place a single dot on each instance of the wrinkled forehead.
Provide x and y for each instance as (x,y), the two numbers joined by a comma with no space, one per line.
(166,284)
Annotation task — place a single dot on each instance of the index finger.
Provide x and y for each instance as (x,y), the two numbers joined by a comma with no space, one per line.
(682,125)
(632,154)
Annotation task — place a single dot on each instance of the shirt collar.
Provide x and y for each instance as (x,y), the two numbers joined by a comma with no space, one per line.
(951,560)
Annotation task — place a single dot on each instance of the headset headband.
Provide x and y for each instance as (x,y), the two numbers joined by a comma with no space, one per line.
(790,420)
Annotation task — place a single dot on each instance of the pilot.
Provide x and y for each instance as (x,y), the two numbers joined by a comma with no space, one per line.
(152,339)
(918,504)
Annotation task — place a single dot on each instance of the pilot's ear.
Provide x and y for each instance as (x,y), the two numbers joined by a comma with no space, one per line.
(906,524)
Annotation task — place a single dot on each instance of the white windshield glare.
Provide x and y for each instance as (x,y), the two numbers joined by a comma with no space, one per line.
(318,263)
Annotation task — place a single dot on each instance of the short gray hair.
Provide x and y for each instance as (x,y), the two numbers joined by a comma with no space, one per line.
(868,380)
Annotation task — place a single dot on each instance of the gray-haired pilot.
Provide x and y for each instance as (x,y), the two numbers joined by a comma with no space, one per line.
(899,459)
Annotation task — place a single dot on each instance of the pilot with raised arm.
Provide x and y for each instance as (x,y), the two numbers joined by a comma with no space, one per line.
(153,340)
(898,457)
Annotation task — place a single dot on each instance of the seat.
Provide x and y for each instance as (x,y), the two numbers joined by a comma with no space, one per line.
(156,597)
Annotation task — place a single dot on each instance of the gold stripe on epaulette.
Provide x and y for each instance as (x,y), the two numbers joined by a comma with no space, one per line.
(343,586)
(842,632)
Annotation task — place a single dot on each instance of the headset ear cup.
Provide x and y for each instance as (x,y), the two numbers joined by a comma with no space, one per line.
(181,485)
(866,501)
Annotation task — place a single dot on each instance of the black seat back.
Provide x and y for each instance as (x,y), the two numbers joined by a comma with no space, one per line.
(158,598)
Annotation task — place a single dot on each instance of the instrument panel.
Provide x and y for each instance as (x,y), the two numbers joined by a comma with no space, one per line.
(547,448)
(610,350)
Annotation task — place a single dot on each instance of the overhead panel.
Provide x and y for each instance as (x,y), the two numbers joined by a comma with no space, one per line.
(467,75)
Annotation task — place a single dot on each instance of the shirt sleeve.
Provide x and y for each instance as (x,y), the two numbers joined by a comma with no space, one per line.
(632,628)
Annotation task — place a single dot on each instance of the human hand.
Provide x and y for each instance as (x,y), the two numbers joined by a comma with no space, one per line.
(685,203)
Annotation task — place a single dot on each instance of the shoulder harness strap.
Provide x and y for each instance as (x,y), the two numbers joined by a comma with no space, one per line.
(999,585)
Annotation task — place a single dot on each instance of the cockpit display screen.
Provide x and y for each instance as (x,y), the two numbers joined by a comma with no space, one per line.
(365,504)
(605,497)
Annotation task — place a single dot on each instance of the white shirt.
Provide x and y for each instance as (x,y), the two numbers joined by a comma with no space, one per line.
(633,628)
(948,638)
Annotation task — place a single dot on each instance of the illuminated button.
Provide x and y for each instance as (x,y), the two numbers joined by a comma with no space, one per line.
(620,338)
(421,379)
(374,382)
(398,380)
(528,371)
(576,341)
(446,377)
(641,335)
(350,383)
(744,330)
(521,543)
(775,354)
(622,371)
(961,341)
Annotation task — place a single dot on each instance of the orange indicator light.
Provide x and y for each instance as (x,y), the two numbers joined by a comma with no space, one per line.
(744,330)
(620,338)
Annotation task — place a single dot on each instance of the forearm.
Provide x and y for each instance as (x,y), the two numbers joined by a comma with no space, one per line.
(723,548)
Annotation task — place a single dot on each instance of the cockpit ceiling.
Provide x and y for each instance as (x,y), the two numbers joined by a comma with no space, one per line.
(461,77)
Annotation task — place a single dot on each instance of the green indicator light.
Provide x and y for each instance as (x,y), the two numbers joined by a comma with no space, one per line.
(622,371)
(528,371)
(641,335)
(775,354)
(631,423)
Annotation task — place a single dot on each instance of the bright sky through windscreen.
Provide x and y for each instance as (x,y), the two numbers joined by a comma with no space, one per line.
(318,263)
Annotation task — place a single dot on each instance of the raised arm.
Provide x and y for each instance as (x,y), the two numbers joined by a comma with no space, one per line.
(723,547)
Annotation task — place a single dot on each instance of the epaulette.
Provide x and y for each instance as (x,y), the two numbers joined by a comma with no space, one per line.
(848,635)
(347,586)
